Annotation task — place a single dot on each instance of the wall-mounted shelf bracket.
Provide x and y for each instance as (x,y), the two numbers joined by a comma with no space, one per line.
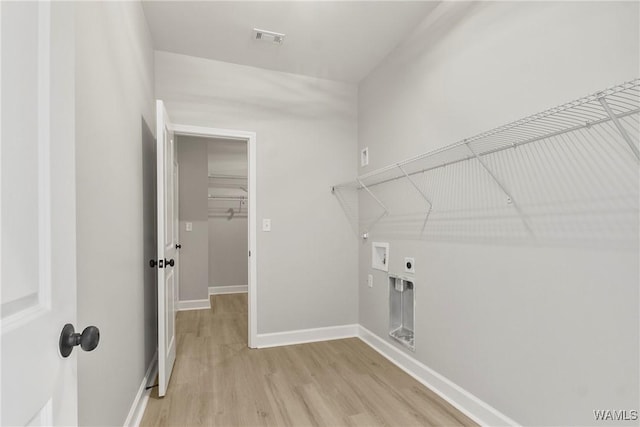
(623,132)
(424,196)
(510,199)
(385,212)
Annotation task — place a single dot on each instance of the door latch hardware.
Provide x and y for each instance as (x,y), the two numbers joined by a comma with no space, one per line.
(88,340)
(169,262)
(153,263)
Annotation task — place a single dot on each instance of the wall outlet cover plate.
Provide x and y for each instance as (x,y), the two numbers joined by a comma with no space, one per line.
(409,265)
(364,157)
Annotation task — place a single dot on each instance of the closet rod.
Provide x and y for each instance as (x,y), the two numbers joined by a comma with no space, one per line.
(221,176)
(227,198)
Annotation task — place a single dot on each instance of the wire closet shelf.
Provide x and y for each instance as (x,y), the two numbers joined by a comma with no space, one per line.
(227,196)
(613,106)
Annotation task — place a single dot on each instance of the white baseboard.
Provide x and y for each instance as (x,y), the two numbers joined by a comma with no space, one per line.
(465,402)
(142,397)
(306,335)
(194,304)
(221,290)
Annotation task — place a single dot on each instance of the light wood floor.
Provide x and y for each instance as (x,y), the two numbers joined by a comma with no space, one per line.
(218,381)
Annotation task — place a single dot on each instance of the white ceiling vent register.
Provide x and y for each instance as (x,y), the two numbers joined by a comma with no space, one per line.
(268,36)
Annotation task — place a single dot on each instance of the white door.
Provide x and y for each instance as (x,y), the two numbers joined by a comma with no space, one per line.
(38,258)
(167,277)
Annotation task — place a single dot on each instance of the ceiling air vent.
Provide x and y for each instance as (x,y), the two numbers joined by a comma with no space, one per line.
(268,36)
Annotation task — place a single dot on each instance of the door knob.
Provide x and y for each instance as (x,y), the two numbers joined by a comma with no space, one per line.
(169,262)
(178,246)
(88,340)
(153,263)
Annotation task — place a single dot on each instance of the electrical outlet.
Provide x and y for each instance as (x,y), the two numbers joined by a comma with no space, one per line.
(409,265)
(364,157)
(266,224)
(188,226)
(370,280)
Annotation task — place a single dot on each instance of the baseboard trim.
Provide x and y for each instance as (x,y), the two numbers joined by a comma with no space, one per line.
(306,336)
(142,397)
(194,304)
(222,290)
(474,408)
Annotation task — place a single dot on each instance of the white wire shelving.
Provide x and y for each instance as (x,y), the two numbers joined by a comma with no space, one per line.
(227,196)
(601,115)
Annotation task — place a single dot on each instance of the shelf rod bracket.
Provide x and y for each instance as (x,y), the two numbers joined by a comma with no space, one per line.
(365,235)
(510,199)
(424,196)
(621,129)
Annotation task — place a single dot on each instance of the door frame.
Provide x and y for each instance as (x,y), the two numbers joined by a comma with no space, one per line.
(250,139)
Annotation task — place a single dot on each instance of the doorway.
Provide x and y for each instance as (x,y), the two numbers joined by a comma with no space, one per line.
(227,212)
(231,205)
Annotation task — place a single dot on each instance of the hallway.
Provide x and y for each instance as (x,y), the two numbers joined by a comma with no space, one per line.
(218,380)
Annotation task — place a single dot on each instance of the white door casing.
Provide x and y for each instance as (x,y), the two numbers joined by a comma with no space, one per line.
(167,277)
(176,211)
(38,262)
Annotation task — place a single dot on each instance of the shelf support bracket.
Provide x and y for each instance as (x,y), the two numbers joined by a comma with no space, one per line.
(621,129)
(510,199)
(424,196)
(365,235)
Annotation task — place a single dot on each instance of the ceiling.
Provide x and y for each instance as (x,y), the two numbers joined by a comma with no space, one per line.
(337,40)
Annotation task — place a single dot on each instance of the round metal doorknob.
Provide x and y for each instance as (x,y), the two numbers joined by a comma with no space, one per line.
(88,340)
(169,262)
(178,246)
(153,263)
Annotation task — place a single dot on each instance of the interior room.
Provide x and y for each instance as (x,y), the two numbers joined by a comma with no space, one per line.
(329,213)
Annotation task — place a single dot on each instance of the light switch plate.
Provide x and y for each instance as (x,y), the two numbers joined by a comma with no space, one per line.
(188,226)
(266,224)
(370,280)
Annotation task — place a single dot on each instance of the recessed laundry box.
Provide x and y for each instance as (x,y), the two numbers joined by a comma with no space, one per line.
(402,310)
(380,256)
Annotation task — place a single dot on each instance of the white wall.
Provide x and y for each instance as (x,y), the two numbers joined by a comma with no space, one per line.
(228,157)
(192,194)
(306,133)
(228,251)
(115,168)
(228,234)
(545,335)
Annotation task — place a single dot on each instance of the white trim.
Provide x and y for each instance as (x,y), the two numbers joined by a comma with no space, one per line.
(250,138)
(306,335)
(253,249)
(474,408)
(142,397)
(194,304)
(222,290)
(211,132)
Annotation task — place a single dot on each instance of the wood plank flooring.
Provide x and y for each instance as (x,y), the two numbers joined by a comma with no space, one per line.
(218,381)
